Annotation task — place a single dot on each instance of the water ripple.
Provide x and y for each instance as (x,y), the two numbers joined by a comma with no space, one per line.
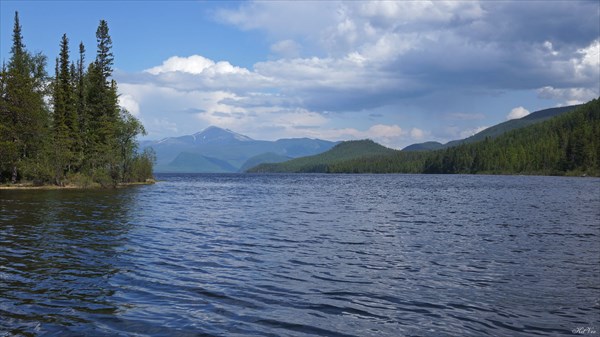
(304,255)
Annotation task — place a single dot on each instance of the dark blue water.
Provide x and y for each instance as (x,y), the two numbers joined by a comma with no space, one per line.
(304,255)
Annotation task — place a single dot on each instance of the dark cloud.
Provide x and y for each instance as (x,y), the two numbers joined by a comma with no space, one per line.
(564,23)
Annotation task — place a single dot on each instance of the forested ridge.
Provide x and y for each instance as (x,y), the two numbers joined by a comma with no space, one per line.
(69,128)
(339,154)
(568,144)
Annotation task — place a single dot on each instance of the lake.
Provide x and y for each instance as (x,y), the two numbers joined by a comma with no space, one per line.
(304,255)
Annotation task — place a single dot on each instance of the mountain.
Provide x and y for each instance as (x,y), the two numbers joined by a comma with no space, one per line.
(496,130)
(427,146)
(187,162)
(318,163)
(268,157)
(566,144)
(217,150)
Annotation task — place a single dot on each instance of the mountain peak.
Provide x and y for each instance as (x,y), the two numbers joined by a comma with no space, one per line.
(216,134)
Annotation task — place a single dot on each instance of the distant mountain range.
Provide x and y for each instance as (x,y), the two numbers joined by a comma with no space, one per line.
(217,150)
(496,130)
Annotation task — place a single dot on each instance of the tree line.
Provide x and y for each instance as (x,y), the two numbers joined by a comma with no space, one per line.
(568,144)
(67,129)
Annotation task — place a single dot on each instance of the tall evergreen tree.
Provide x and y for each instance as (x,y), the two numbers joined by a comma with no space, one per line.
(85,137)
(24,113)
(103,110)
(80,104)
(65,120)
(104,57)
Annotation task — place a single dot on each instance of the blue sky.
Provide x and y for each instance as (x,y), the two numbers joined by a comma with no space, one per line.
(396,72)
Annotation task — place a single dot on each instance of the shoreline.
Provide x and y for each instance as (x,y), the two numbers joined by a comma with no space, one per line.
(31,186)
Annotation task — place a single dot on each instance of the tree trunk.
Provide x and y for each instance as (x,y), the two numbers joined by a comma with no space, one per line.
(14,175)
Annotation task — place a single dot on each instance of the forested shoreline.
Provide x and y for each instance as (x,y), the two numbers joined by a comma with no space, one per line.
(68,129)
(568,144)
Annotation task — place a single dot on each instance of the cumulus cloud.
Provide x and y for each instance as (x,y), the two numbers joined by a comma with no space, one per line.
(516,113)
(128,103)
(569,96)
(494,45)
(368,56)
(196,64)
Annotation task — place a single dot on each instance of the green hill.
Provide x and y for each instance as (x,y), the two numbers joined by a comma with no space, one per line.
(264,158)
(565,144)
(496,130)
(427,146)
(319,163)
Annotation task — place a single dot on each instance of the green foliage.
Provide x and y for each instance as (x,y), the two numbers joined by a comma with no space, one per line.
(83,137)
(23,113)
(263,158)
(567,144)
(562,145)
(324,162)
(496,130)
(141,166)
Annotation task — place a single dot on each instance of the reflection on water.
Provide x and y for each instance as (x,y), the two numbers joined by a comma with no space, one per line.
(304,255)
(58,252)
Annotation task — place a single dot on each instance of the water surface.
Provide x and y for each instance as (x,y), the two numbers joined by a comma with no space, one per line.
(304,255)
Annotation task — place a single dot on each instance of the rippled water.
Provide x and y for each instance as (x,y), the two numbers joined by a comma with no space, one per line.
(304,255)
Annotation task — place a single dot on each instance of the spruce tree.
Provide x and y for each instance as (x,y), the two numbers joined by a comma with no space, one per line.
(64,123)
(80,104)
(24,114)
(85,133)
(102,110)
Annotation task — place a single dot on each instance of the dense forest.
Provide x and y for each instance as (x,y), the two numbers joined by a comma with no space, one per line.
(568,144)
(68,129)
(341,153)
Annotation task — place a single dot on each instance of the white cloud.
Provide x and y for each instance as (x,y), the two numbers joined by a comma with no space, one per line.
(372,55)
(569,96)
(388,135)
(518,112)
(128,103)
(417,133)
(281,18)
(196,65)
(587,62)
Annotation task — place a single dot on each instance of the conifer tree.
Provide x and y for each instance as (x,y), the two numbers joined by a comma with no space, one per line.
(64,122)
(85,136)
(24,115)
(80,105)
(103,110)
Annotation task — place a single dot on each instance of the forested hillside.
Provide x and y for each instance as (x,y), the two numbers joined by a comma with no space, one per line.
(496,130)
(340,153)
(66,129)
(566,144)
